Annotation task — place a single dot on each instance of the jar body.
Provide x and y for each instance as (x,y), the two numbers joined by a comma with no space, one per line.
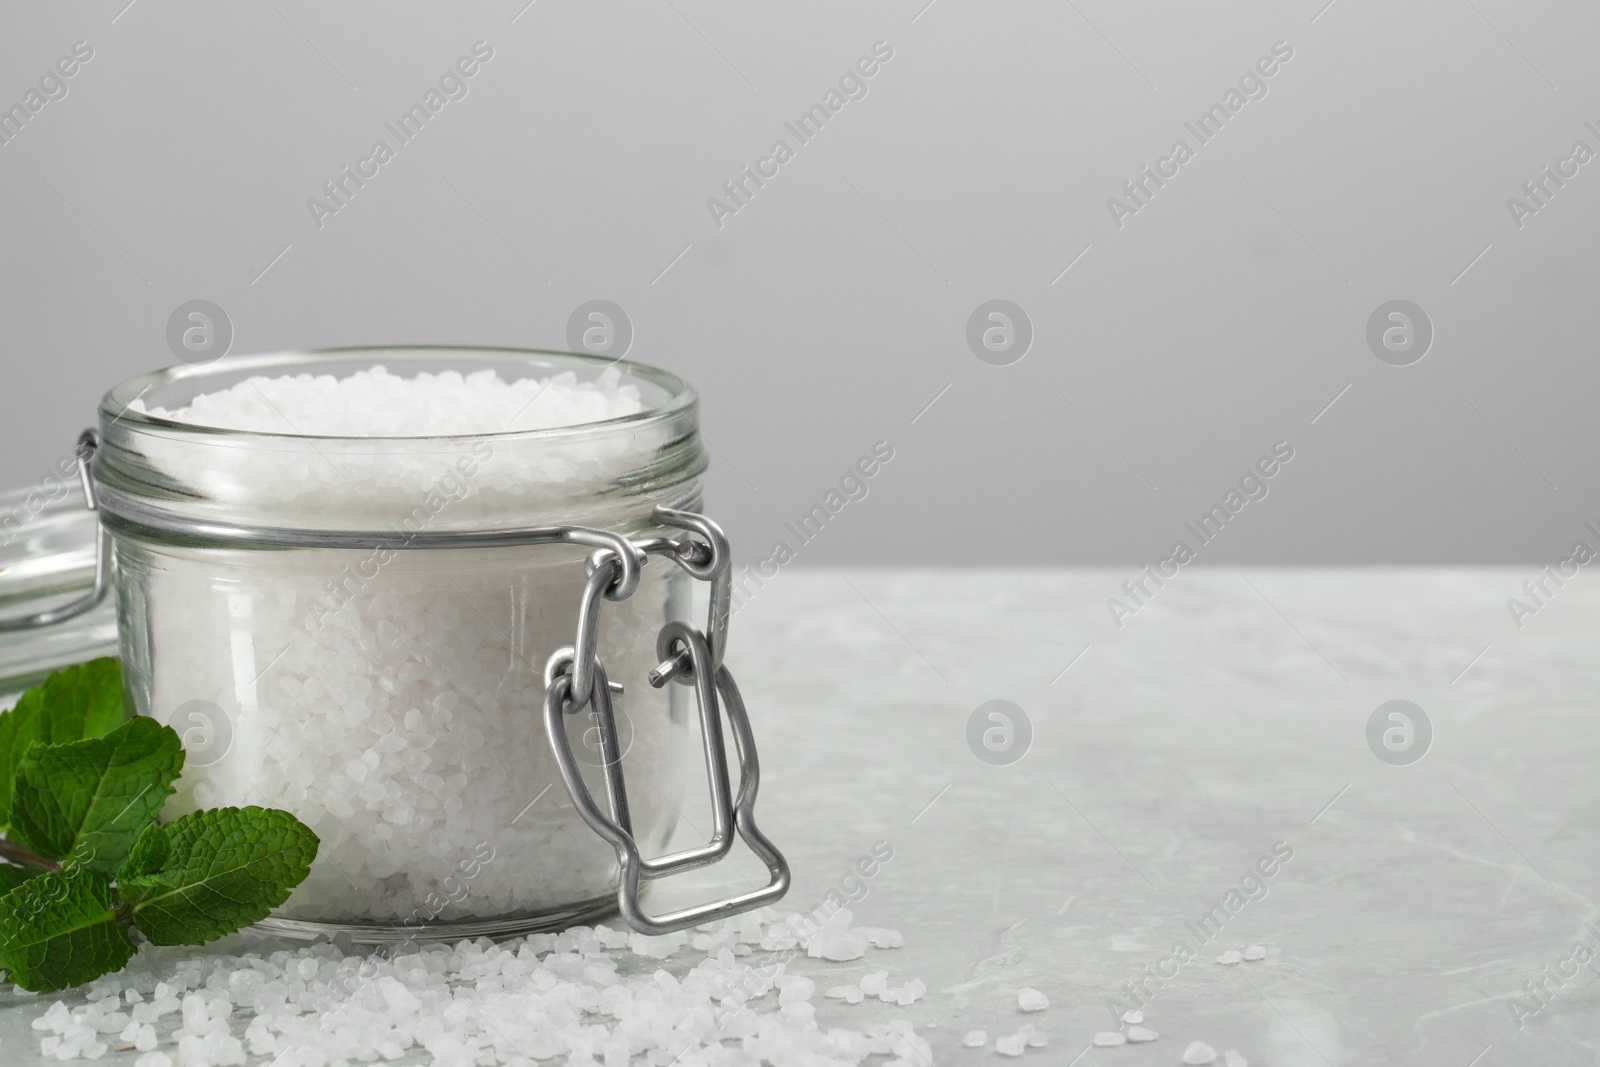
(389,695)
(400,720)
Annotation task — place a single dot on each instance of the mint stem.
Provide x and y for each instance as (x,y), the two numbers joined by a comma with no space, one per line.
(18,854)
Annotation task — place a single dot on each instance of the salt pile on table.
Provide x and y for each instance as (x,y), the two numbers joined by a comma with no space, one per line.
(582,995)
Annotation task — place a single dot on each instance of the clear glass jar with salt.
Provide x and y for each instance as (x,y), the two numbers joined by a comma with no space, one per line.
(350,579)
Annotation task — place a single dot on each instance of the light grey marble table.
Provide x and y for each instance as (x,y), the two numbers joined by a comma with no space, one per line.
(1226,718)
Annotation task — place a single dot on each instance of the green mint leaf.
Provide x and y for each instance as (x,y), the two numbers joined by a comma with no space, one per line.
(214,871)
(84,700)
(148,855)
(60,929)
(86,802)
(12,876)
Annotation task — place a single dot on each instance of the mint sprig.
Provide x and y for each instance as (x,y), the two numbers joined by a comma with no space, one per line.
(80,787)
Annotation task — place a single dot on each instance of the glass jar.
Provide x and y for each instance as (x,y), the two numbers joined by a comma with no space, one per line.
(388,691)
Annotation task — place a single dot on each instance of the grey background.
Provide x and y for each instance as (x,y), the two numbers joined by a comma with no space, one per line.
(826,315)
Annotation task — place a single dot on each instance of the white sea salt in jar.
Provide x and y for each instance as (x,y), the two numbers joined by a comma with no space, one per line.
(342,575)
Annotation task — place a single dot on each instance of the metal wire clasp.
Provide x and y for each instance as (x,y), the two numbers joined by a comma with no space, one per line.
(575,678)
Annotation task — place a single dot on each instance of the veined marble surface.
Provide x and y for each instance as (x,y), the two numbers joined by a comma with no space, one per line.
(1226,718)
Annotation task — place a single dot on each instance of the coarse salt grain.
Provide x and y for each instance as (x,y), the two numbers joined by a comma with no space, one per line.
(795,988)
(1255,952)
(1137,1034)
(878,937)
(976,1038)
(1233,1059)
(907,994)
(1029,999)
(1012,1044)
(1230,957)
(1198,1054)
(1110,1039)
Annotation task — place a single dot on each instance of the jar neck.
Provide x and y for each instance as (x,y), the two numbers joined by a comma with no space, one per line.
(166,476)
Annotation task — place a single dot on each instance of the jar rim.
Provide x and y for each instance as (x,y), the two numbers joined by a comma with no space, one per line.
(677,394)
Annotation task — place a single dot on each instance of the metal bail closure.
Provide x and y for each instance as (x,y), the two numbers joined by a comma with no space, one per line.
(709,682)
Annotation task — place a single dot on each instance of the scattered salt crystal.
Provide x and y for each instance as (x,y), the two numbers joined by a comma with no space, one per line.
(1137,1034)
(657,948)
(400,999)
(910,992)
(1037,1038)
(111,1022)
(840,949)
(1109,1039)
(875,983)
(1199,1053)
(1233,1059)
(1012,1044)
(1030,999)
(847,993)
(1255,952)
(976,1038)
(1133,1016)
(878,937)
(794,988)
(1230,957)
(55,1019)
(612,938)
